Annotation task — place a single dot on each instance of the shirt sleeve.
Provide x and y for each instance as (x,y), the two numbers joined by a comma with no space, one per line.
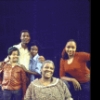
(84,56)
(67,93)
(2,66)
(38,67)
(23,77)
(62,71)
(28,94)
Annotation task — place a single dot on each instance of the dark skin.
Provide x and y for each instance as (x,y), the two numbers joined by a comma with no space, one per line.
(27,71)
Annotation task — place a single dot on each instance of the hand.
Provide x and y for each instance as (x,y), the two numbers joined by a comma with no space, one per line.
(41,59)
(76,84)
(87,77)
(2,64)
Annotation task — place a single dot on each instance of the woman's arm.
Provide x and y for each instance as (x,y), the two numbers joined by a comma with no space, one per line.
(84,56)
(28,95)
(75,83)
(67,93)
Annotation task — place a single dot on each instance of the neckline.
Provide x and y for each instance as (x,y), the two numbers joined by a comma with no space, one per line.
(69,63)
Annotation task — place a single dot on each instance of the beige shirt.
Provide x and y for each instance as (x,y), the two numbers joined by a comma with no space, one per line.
(24,57)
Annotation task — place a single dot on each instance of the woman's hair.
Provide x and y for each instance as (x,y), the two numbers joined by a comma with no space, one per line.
(11,49)
(64,54)
(48,61)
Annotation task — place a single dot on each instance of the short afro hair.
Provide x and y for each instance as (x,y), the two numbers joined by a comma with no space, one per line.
(11,49)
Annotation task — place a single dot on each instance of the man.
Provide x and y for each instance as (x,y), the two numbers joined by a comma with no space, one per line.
(24,57)
(35,61)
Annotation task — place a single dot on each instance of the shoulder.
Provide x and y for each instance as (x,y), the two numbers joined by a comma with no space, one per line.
(20,67)
(59,82)
(17,45)
(82,54)
(62,60)
(35,82)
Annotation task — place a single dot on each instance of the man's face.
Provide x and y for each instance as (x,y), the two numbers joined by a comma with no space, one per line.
(33,50)
(25,37)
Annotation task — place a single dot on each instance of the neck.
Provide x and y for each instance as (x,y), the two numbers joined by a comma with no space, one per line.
(24,45)
(71,56)
(45,81)
(13,63)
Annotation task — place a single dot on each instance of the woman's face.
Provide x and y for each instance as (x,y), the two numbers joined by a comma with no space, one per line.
(14,56)
(47,70)
(70,48)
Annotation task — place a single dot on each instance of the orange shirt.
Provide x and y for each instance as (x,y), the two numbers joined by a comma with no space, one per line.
(13,78)
(78,68)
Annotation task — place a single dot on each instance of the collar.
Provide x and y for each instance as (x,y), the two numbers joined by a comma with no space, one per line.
(38,84)
(35,57)
(19,46)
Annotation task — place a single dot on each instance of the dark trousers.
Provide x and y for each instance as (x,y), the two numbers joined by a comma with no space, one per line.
(12,94)
(83,94)
(1,93)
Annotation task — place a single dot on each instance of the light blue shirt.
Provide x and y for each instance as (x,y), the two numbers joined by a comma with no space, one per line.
(35,65)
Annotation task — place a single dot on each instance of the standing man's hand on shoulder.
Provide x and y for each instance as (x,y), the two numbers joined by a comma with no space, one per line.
(41,59)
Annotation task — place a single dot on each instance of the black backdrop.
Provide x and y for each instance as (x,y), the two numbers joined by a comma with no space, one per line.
(50,22)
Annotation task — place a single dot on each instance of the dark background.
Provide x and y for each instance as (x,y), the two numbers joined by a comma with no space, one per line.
(50,22)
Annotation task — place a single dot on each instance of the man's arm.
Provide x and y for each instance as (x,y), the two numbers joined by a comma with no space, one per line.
(28,71)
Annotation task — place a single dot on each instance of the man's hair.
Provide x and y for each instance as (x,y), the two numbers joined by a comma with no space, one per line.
(11,49)
(24,31)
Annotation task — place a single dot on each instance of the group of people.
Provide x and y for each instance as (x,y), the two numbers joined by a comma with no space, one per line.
(25,75)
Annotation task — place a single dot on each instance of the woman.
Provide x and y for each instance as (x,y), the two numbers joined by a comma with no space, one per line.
(74,71)
(47,87)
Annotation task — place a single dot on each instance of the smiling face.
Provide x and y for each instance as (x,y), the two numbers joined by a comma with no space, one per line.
(70,48)
(25,37)
(33,50)
(47,70)
(14,56)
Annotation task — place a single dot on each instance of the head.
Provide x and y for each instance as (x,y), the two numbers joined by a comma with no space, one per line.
(47,69)
(13,54)
(33,50)
(70,47)
(25,36)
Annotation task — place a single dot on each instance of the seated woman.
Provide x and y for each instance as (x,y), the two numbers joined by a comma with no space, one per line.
(47,87)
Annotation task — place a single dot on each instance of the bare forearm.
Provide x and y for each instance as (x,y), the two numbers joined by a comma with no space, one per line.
(67,78)
(31,72)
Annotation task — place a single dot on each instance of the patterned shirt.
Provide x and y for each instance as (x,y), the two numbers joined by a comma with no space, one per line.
(57,90)
(14,78)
